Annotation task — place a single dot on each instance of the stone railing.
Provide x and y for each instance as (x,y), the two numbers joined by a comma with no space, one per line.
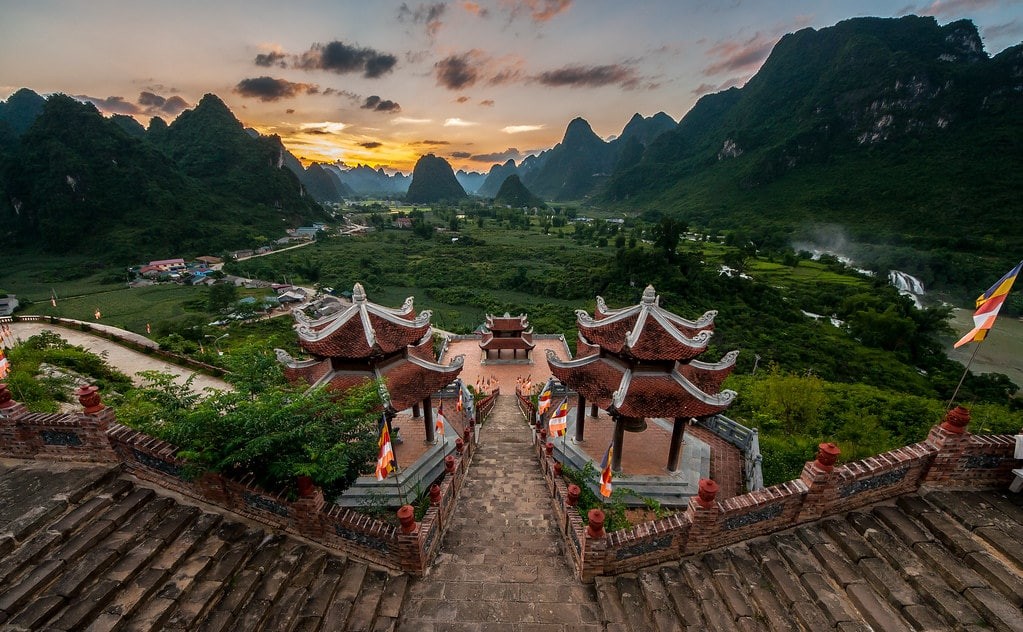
(949,457)
(94,435)
(748,442)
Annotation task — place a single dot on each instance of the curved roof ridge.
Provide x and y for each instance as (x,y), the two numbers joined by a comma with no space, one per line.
(703,322)
(723,399)
(699,341)
(553,358)
(727,361)
(588,321)
(307,332)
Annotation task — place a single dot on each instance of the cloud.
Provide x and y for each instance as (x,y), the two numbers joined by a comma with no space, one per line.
(487,103)
(271,89)
(518,129)
(590,76)
(499,156)
(341,58)
(427,14)
(112,105)
(539,10)
(273,58)
(1009,29)
(371,144)
(462,99)
(377,104)
(324,127)
(457,122)
(947,7)
(174,106)
(464,70)
(289,111)
(405,120)
(431,142)
(745,55)
(460,154)
(455,72)
(474,8)
(701,89)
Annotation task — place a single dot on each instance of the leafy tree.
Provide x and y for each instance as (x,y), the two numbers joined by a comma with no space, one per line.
(221,296)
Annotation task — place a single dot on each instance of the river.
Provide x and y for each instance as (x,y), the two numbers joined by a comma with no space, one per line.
(1001,352)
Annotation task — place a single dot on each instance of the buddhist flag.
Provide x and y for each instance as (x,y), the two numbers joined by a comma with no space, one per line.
(5,364)
(988,305)
(559,420)
(544,401)
(605,471)
(459,404)
(149,329)
(385,462)
(440,419)
(53,298)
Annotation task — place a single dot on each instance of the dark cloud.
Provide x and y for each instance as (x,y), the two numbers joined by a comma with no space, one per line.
(111,105)
(289,111)
(175,105)
(499,156)
(431,142)
(341,58)
(149,99)
(271,89)
(487,103)
(273,58)
(371,144)
(462,99)
(744,55)
(1009,29)
(455,72)
(590,76)
(427,14)
(377,104)
(316,132)
(460,154)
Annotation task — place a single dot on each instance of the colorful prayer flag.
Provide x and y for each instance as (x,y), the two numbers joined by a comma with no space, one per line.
(988,305)
(605,471)
(440,419)
(5,365)
(385,462)
(559,421)
(459,405)
(544,401)
(149,329)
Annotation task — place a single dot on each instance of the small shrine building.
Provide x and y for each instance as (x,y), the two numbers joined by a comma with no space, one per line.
(640,362)
(502,333)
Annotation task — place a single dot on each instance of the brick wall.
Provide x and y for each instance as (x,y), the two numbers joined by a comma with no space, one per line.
(98,437)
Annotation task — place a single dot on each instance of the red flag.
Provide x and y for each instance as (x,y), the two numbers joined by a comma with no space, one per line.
(544,402)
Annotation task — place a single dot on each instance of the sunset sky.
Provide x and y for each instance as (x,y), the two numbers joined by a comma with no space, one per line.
(383,82)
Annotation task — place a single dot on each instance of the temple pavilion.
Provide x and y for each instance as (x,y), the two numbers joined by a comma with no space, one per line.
(351,344)
(503,333)
(640,362)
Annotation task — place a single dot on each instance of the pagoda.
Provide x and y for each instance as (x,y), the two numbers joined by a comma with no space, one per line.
(507,332)
(362,342)
(640,362)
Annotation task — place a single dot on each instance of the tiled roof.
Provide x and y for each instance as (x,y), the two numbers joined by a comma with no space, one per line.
(637,391)
(937,561)
(646,331)
(489,342)
(82,549)
(507,322)
(407,379)
(363,329)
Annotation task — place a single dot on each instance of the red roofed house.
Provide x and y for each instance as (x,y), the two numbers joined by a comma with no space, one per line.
(361,342)
(169,265)
(507,332)
(640,362)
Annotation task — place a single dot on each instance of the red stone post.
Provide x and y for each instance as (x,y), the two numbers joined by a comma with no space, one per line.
(950,438)
(702,515)
(308,515)
(94,421)
(818,475)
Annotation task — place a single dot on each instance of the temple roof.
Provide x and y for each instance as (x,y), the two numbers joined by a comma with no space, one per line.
(643,391)
(408,377)
(507,322)
(646,331)
(362,329)
(489,342)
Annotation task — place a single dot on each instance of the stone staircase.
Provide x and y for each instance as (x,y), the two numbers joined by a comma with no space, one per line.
(83,549)
(941,561)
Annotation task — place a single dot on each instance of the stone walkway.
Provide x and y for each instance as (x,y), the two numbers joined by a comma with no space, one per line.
(502,567)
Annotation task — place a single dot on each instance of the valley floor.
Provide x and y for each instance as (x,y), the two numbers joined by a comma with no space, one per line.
(1001,352)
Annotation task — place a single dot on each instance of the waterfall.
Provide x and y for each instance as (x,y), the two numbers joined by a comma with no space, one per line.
(908,285)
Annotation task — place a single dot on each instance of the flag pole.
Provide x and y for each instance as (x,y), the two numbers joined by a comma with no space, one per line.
(394,455)
(976,348)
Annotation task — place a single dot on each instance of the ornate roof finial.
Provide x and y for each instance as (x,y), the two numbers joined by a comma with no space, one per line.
(649,295)
(358,294)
